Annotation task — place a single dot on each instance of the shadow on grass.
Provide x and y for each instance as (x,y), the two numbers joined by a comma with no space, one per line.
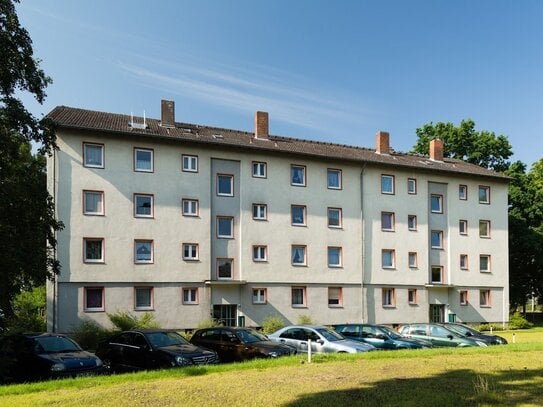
(453,388)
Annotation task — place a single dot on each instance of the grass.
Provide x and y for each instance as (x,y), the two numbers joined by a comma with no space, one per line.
(506,375)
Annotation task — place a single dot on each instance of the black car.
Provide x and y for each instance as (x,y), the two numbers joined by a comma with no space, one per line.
(151,349)
(469,332)
(37,356)
(237,344)
(380,336)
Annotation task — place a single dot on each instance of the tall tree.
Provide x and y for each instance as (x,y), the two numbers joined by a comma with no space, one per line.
(27,222)
(463,142)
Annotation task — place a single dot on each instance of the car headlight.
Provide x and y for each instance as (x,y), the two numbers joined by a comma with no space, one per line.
(98,362)
(272,354)
(480,343)
(58,367)
(181,361)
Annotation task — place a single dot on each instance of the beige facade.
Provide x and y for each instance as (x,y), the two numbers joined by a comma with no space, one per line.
(220,224)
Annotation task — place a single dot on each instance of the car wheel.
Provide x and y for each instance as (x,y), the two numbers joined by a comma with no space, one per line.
(108,366)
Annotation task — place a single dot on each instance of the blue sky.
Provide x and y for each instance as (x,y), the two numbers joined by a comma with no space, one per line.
(336,71)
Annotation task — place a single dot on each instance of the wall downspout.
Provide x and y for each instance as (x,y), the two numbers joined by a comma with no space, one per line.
(55,277)
(362,218)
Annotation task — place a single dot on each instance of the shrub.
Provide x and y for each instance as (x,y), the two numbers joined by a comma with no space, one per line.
(517,321)
(124,321)
(305,320)
(209,323)
(486,327)
(88,334)
(29,311)
(272,324)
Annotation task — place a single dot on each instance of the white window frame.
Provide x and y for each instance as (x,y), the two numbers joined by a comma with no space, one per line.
(260,253)
(226,261)
(86,155)
(439,201)
(463,192)
(86,210)
(412,186)
(463,227)
(137,243)
(335,297)
(412,259)
(260,169)
(189,163)
(231,221)
(136,206)
(392,253)
(487,223)
(152,163)
(229,177)
(304,214)
(335,251)
(488,263)
(102,306)
(86,258)
(260,211)
(339,174)
(190,296)
(439,234)
(190,207)
(150,291)
(259,295)
(412,296)
(486,199)
(388,297)
(340,217)
(392,219)
(293,250)
(392,182)
(464,262)
(303,291)
(485,298)
(191,251)
(414,218)
(303,169)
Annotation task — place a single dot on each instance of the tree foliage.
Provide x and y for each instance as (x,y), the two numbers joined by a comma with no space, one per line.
(27,222)
(463,142)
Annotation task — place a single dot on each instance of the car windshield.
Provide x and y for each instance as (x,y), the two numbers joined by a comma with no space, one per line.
(54,344)
(390,332)
(330,335)
(462,329)
(250,336)
(160,339)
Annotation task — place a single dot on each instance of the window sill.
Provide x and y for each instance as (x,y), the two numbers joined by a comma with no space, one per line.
(335,306)
(95,310)
(190,303)
(191,260)
(299,306)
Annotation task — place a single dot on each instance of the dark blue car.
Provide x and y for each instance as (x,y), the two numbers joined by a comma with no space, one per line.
(379,336)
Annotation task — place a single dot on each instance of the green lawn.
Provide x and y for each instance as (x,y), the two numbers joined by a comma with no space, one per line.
(507,375)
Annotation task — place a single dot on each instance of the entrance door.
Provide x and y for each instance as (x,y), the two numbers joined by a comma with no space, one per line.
(225,314)
(437,313)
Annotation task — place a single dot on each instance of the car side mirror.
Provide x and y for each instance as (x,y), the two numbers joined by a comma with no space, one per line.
(381,336)
(450,337)
(234,340)
(469,334)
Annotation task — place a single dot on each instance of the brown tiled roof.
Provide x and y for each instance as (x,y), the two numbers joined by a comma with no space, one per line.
(73,118)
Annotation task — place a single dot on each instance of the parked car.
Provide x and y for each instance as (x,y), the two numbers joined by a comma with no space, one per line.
(235,344)
(438,335)
(472,333)
(30,357)
(380,336)
(151,349)
(323,340)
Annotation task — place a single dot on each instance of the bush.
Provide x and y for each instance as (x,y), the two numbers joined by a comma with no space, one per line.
(209,323)
(88,334)
(272,324)
(29,311)
(305,320)
(517,321)
(486,327)
(124,321)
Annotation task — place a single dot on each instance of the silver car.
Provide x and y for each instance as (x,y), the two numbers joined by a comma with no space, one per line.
(323,340)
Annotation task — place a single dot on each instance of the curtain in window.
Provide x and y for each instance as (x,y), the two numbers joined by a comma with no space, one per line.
(93,202)
(298,255)
(143,297)
(93,155)
(94,298)
(143,160)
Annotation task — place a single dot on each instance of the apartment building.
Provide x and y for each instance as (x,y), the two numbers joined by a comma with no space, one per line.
(193,222)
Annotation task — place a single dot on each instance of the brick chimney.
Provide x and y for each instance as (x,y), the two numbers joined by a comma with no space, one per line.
(167,113)
(436,150)
(261,125)
(382,139)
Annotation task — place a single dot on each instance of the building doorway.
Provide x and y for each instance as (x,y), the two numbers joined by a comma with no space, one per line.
(225,314)
(437,313)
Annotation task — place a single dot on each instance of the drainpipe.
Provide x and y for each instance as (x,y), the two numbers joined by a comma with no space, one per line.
(363,308)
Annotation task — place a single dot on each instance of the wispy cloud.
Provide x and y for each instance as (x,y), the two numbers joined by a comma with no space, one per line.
(288,98)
